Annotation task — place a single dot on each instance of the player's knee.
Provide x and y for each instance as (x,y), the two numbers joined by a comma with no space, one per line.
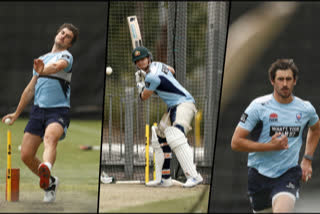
(283,202)
(175,137)
(54,132)
(183,126)
(50,140)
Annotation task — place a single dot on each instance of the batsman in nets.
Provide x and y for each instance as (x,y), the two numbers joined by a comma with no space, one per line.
(170,134)
(49,116)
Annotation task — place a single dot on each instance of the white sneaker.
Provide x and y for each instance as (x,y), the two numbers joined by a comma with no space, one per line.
(106,179)
(50,193)
(161,183)
(191,182)
(166,182)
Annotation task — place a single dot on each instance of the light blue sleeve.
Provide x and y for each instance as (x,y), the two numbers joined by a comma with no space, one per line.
(313,115)
(152,82)
(68,57)
(250,117)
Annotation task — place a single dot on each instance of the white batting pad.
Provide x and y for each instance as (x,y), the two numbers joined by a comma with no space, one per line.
(179,144)
(158,162)
(158,154)
(175,137)
(154,138)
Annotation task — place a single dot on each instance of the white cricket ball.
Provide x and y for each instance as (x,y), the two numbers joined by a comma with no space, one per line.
(109,70)
(7,121)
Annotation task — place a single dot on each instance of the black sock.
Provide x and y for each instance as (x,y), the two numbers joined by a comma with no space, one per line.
(167,159)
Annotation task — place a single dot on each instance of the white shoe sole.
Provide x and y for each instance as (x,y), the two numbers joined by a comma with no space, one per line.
(158,184)
(152,184)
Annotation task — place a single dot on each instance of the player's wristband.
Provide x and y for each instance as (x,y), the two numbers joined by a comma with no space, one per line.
(308,157)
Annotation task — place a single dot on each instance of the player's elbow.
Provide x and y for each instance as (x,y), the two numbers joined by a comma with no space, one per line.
(235,146)
(57,67)
(317,131)
(145,94)
(172,70)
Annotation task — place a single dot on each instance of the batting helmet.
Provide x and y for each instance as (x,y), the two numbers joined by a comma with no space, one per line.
(140,53)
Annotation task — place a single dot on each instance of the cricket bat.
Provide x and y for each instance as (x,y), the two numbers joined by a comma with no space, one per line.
(134,31)
(135,38)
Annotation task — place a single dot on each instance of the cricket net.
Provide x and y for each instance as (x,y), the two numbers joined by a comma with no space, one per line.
(190,37)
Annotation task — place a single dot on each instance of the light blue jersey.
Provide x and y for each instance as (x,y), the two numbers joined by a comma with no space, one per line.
(162,81)
(49,92)
(289,119)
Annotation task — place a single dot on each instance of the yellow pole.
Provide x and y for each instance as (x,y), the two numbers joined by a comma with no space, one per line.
(8,165)
(197,128)
(154,160)
(147,155)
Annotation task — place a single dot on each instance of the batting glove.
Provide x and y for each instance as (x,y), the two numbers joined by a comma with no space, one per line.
(140,76)
(140,86)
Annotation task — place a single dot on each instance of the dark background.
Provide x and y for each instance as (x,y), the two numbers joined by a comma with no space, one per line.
(27,31)
(300,41)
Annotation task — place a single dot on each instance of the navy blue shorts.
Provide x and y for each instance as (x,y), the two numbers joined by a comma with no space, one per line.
(40,118)
(261,189)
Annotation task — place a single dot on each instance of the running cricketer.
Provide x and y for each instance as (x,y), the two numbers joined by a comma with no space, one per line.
(275,123)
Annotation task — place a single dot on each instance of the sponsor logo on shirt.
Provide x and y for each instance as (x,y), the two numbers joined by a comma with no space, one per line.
(165,69)
(243,117)
(289,131)
(298,117)
(273,117)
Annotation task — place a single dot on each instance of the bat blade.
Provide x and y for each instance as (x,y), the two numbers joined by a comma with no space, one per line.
(134,31)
